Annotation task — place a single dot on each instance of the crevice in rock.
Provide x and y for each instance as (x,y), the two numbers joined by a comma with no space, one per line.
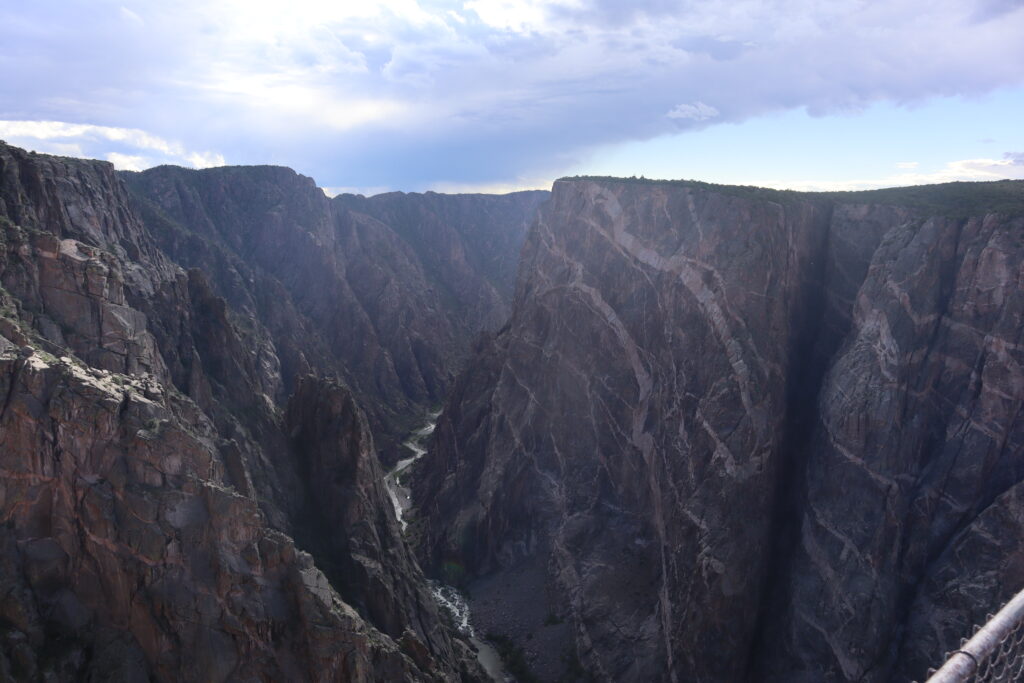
(809,359)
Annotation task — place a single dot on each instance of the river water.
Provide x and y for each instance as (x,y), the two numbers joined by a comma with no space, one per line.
(401,495)
(448,598)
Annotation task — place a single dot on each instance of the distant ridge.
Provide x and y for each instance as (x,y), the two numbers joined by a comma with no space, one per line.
(954,199)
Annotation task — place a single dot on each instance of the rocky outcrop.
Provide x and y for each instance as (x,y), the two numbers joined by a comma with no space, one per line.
(155,471)
(359,537)
(73,250)
(126,557)
(384,292)
(734,434)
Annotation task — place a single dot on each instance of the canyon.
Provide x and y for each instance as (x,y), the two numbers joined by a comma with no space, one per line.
(687,432)
(737,434)
(200,370)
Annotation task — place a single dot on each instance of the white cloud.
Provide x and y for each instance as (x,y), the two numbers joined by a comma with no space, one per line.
(368,191)
(698,111)
(517,185)
(85,140)
(132,17)
(408,92)
(274,97)
(518,15)
(64,149)
(129,162)
(962,170)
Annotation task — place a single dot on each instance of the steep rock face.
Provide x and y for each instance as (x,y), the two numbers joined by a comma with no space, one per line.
(468,246)
(126,556)
(625,430)
(72,248)
(370,565)
(166,414)
(82,275)
(915,458)
(742,435)
(386,294)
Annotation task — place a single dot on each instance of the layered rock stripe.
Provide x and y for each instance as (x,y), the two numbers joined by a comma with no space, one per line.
(171,436)
(743,435)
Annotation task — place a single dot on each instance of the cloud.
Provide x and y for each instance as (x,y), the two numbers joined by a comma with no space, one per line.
(83,140)
(411,93)
(129,162)
(512,15)
(517,185)
(698,111)
(987,10)
(367,191)
(1010,167)
(131,16)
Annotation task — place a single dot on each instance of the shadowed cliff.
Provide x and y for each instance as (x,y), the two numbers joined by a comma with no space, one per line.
(733,433)
(386,292)
(184,496)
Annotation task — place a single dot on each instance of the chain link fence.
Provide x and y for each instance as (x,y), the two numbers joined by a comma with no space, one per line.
(994,653)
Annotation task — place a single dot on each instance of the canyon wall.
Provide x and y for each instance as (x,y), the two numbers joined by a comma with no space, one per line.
(733,434)
(715,434)
(183,498)
(385,292)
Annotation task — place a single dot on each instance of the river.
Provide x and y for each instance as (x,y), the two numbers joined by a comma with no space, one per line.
(400,494)
(448,598)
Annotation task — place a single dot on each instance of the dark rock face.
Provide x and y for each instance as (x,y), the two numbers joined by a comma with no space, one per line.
(628,431)
(155,472)
(468,246)
(369,563)
(384,292)
(725,435)
(126,556)
(71,291)
(911,526)
(734,437)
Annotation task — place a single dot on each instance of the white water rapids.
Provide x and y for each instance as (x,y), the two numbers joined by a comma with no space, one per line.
(448,598)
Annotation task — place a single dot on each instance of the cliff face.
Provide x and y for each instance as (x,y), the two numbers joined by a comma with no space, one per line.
(155,470)
(468,246)
(386,293)
(726,434)
(736,436)
(126,556)
(910,530)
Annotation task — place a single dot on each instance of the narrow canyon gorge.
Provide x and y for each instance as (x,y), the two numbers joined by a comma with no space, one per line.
(684,432)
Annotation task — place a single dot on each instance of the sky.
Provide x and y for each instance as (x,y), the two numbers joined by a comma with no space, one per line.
(498,95)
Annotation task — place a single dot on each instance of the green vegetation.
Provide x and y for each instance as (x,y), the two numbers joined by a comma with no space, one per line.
(952,200)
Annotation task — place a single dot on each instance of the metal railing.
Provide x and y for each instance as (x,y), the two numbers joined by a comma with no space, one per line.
(995,653)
